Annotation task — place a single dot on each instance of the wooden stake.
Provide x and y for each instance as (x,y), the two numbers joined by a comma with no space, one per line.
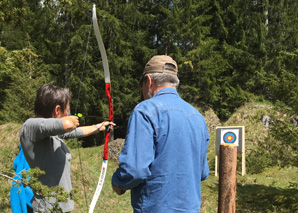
(227,178)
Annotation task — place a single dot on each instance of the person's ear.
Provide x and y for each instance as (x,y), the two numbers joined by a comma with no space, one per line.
(149,79)
(57,111)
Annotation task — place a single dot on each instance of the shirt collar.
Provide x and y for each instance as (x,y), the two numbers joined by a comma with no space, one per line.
(167,90)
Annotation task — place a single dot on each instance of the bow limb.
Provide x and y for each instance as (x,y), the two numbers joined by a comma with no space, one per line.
(111,116)
(101,46)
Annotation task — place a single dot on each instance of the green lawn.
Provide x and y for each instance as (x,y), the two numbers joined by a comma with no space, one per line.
(274,190)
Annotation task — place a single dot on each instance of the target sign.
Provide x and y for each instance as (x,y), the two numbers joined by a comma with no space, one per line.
(230,136)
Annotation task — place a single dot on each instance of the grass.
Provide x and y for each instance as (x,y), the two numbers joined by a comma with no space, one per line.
(8,151)
(272,190)
(91,162)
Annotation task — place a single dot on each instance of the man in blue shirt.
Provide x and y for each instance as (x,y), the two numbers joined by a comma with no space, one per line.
(164,158)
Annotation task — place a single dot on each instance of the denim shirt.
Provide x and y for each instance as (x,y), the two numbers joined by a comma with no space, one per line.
(164,158)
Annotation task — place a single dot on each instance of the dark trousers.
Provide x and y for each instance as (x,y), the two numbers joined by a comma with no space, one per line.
(29,210)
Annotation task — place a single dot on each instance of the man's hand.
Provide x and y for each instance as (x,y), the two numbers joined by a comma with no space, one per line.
(118,191)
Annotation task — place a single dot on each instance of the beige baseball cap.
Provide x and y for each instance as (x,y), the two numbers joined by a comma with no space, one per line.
(160,64)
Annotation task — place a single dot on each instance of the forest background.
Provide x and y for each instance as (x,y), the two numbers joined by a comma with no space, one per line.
(229,53)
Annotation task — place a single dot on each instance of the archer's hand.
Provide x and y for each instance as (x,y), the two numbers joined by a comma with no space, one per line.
(104,125)
(70,122)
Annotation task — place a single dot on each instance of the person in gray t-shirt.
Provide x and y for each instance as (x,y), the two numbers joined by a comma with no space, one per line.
(43,147)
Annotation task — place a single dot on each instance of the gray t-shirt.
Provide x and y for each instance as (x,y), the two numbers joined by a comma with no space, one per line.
(41,140)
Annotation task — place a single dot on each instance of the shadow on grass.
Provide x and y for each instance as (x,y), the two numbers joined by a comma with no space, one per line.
(260,198)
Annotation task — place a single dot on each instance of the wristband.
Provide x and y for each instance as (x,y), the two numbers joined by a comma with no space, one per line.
(97,127)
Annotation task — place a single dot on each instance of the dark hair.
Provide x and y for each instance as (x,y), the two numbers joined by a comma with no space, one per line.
(48,97)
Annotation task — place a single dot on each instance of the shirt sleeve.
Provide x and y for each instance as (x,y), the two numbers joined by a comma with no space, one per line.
(137,153)
(36,129)
(77,133)
(205,167)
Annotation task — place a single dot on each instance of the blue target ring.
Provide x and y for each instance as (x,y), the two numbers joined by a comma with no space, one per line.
(229,137)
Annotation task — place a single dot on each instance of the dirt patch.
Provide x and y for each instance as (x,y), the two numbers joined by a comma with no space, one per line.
(115,148)
(212,120)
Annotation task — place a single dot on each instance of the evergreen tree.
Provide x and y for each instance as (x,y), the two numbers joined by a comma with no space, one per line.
(227,51)
(282,45)
(24,74)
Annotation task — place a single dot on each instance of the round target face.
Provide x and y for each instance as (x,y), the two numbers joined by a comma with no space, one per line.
(229,137)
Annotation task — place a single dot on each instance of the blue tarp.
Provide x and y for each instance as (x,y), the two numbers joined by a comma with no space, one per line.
(20,196)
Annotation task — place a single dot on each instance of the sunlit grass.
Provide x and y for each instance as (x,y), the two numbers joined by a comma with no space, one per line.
(273,190)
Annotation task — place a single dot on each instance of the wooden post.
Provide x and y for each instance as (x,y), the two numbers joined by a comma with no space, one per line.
(227,178)
(216,163)
(243,153)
